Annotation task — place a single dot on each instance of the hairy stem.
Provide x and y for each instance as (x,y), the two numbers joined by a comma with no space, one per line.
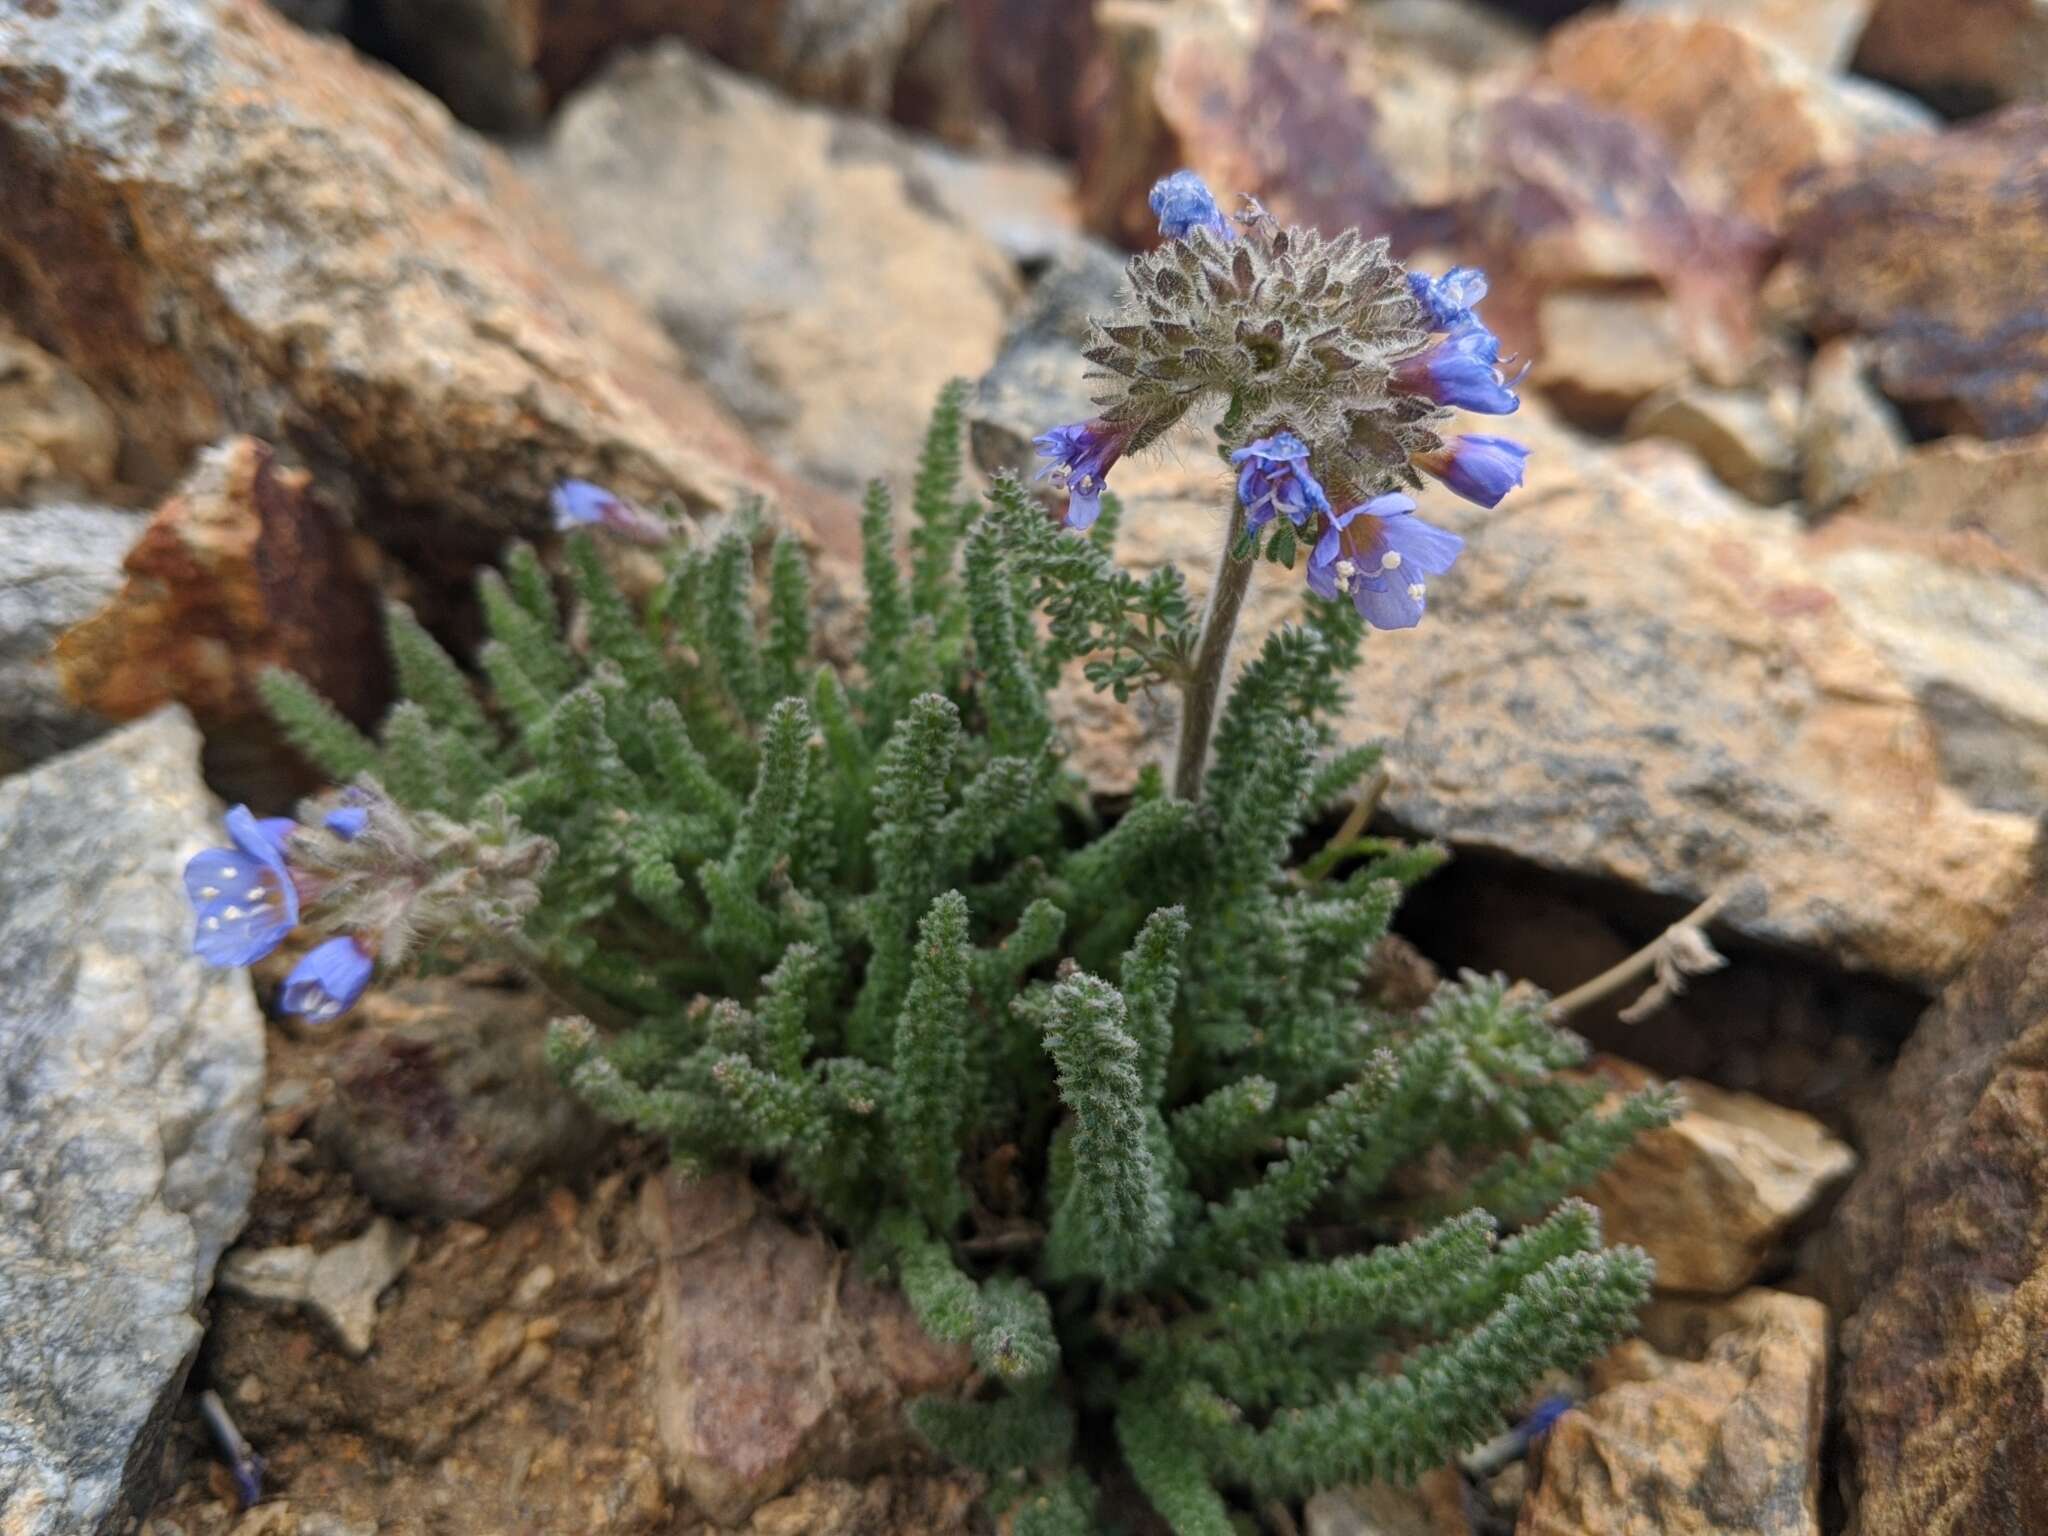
(1204,688)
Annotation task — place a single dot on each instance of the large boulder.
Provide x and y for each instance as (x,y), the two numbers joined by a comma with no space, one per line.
(800,255)
(1939,1263)
(1931,246)
(1957,483)
(133,1080)
(1964,54)
(58,563)
(222,223)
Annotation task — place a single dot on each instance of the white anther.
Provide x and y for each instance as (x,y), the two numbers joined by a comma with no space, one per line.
(1390,561)
(212,924)
(1346,570)
(229,874)
(255,893)
(231,913)
(1416,591)
(208,892)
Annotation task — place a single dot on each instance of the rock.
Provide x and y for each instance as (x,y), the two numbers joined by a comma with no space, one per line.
(1029,63)
(1602,353)
(1720,1437)
(1965,55)
(1039,378)
(1930,247)
(815,50)
(1745,120)
(905,1506)
(1464,35)
(1970,638)
(1961,483)
(1435,1506)
(827,302)
(1745,436)
(1821,34)
(1847,433)
(57,564)
(56,437)
(1938,1261)
(476,55)
(340,1286)
(1714,1195)
(133,1077)
(242,569)
(775,1359)
(223,224)
(1631,675)
(1022,204)
(1256,99)
(443,1105)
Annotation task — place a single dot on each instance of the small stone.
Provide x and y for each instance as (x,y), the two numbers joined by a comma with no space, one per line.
(132,1078)
(1848,434)
(1721,1438)
(1602,352)
(347,1280)
(497,1339)
(1961,483)
(532,1359)
(249,1391)
(1434,1506)
(533,1285)
(1744,436)
(279,1276)
(1715,1194)
(775,1359)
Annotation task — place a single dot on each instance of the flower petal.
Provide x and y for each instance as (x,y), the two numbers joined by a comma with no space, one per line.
(237,928)
(1386,605)
(327,980)
(1422,546)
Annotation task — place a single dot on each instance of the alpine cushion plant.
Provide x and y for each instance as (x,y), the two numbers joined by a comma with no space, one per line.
(1107,1096)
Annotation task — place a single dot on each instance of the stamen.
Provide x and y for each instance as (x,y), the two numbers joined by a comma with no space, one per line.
(229,873)
(231,913)
(212,924)
(208,892)
(255,893)
(1416,591)
(1391,560)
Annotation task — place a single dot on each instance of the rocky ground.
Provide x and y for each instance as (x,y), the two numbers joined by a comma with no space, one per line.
(306,305)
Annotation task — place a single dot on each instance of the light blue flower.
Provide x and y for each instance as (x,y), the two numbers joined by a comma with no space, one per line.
(1462,369)
(1082,453)
(1378,554)
(582,504)
(1184,204)
(243,895)
(1479,468)
(327,981)
(1274,478)
(1450,299)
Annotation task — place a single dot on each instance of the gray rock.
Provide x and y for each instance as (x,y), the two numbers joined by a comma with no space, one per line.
(812,273)
(445,1106)
(133,1080)
(58,564)
(1039,378)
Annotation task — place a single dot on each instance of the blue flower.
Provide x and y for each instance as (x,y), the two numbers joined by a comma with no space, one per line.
(1184,204)
(1477,467)
(1274,478)
(348,822)
(1449,299)
(1082,454)
(1462,369)
(1377,554)
(327,981)
(580,504)
(244,895)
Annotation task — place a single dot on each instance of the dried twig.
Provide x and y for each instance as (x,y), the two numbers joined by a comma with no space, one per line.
(1680,951)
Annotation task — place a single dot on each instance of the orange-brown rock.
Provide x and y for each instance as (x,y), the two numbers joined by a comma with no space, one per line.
(1939,1263)
(1819,33)
(774,1358)
(242,569)
(55,435)
(1434,1506)
(1713,1429)
(1714,1195)
(223,224)
(1932,247)
(1743,119)
(2000,489)
(1849,435)
(1965,54)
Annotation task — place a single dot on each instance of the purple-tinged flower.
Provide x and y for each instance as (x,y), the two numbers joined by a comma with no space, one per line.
(348,822)
(1274,477)
(1461,369)
(1184,204)
(1082,454)
(1378,554)
(1450,299)
(244,895)
(1543,1415)
(580,504)
(1477,467)
(327,981)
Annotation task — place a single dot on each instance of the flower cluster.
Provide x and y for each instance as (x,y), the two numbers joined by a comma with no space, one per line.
(1336,367)
(384,877)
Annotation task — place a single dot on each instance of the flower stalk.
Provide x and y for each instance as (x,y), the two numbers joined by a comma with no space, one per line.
(1204,686)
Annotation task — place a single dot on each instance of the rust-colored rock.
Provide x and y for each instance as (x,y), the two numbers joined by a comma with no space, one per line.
(1819,33)
(1744,120)
(55,435)
(1712,1431)
(1965,54)
(1939,1263)
(223,224)
(897,1506)
(1714,1195)
(774,1359)
(242,569)
(2000,489)
(1932,248)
